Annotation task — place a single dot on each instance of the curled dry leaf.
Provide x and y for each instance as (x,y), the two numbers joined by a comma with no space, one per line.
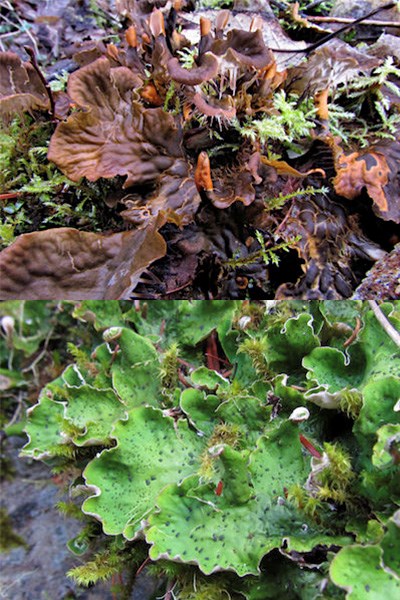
(233,187)
(206,70)
(245,48)
(21,89)
(377,170)
(74,265)
(283,168)
(230,186)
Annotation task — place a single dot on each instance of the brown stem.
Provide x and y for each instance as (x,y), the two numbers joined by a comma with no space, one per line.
(142,566)
(10,195)
(354,334)
(383,320)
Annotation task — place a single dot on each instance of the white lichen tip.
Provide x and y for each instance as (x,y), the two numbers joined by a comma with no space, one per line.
(301,413)
(112,333)
(7,325)
(244,322)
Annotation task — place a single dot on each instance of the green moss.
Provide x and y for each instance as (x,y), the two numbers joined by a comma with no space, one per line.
(39,194)
(8,538)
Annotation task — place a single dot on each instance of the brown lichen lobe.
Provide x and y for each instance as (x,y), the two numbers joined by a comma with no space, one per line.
(21,89)
(65,263)
(113,133)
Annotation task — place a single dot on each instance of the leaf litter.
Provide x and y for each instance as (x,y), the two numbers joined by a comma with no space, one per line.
(247,163)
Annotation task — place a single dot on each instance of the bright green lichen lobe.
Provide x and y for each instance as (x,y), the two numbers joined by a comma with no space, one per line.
(195,458)
(249,518)
(149,455)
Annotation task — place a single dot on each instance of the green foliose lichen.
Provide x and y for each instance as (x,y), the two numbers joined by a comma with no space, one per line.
(198,458)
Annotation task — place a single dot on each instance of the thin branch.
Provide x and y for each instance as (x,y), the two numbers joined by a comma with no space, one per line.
(8,6)
(350,21)
(32,365)
(334,34)
(383,320)
(354,334)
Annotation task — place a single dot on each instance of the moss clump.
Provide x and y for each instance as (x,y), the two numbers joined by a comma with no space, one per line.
(8,538)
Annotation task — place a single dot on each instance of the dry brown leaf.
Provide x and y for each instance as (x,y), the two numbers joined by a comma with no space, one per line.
(73,265)
(332,64)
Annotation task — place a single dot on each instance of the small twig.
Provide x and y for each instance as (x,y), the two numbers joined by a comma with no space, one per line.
(227,362)
(186,364)
(35,65)
(10,195)
(8,34)
(169,594)
(9,6)
(32,365)
(383,320)
(183,380)
(354,334)
(142,566)
(334,34)
(350,21)
(16,412)
(179,288)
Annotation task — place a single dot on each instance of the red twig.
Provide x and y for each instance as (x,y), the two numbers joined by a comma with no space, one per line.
(142,566)
(310,447)
(10,195)
(183,380)
(212,352)
(218,358)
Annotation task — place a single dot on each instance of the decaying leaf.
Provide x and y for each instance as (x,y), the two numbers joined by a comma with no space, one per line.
(21,89)
(377,170)
(67,263)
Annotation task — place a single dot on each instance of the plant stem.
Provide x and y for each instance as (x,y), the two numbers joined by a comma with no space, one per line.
(387,326)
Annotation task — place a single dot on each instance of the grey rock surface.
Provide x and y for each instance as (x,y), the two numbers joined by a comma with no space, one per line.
(38,572)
